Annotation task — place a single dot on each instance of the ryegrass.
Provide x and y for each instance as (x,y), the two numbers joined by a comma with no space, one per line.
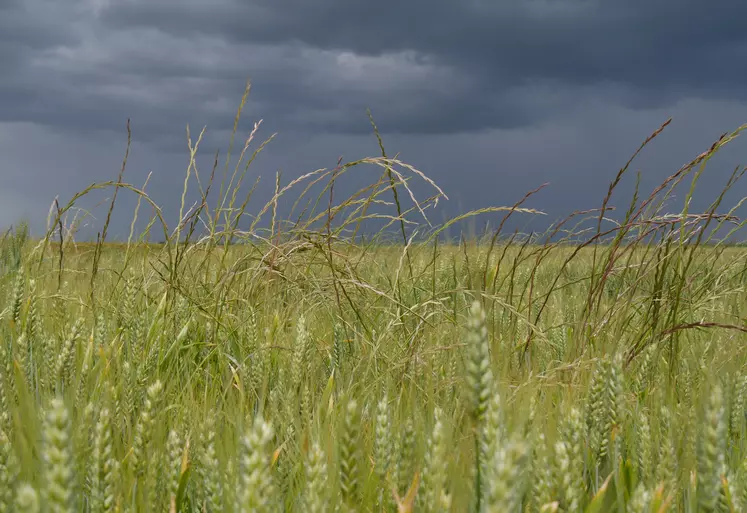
(305,368)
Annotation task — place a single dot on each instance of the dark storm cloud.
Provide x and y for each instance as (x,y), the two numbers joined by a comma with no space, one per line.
(682,46)
(482,95)
(423,67)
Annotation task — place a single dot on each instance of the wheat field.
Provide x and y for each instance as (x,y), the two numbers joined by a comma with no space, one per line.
(305,363)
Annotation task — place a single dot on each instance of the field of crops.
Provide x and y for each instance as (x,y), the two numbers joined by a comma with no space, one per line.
(296,366)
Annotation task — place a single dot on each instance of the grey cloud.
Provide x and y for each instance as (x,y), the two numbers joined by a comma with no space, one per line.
(34,25)
(423,67)
(577,41)
(508,94)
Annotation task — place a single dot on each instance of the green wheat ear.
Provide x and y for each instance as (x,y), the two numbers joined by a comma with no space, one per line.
(479,375)
(58,459)
(103,481)
(300,354)
(738,409)
(640,501)
(66,356)
(435,495)
(645,461)
(174,451)
(570,463)
(8,472)
(711,452)
(27,500)
(479,380)
(507,472)
(144,428)
(666,471)
(349,454)
(257,488)
(741,492)
(543,487)
(17,298)
(407,456)
(211,470)
(316,498)
(382,447)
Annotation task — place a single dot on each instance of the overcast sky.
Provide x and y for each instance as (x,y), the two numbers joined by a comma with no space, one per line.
(489,98)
